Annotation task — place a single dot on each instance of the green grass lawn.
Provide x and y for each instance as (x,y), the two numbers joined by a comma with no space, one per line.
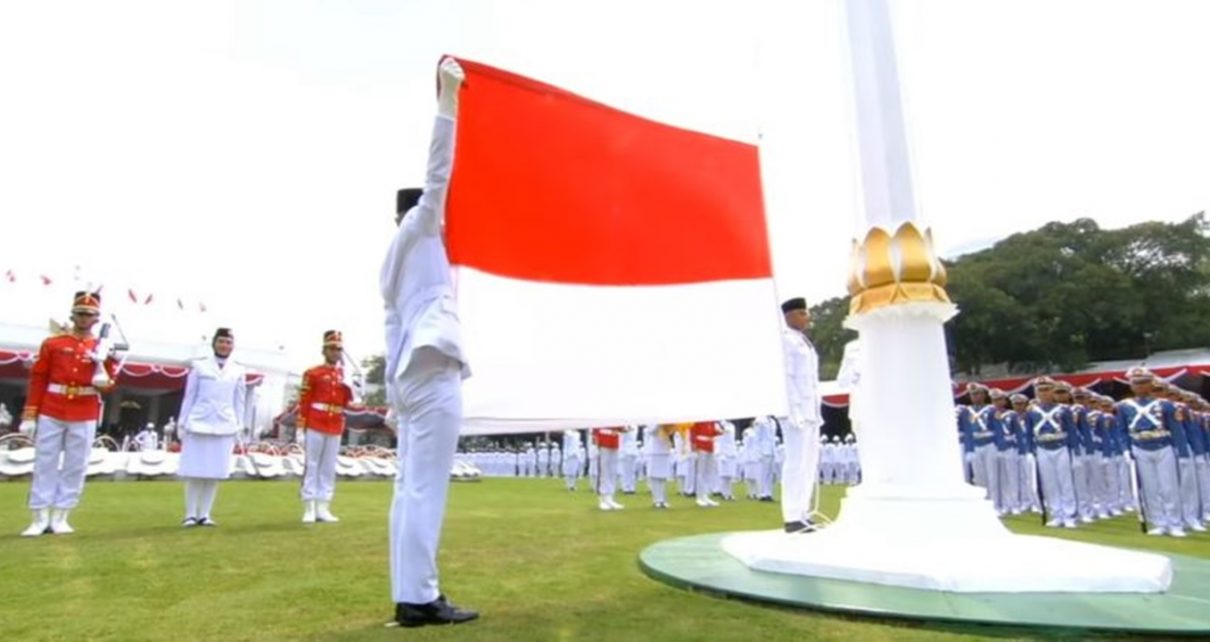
(540,563)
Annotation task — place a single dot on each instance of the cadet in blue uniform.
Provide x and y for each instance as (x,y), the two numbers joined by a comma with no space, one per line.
(1150,424)
(1188,449)
(1008,432)
(1027,473)
(979,440)
(1053,435)
(1079,448)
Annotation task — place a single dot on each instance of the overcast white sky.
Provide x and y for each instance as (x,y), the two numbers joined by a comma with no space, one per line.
(246,154)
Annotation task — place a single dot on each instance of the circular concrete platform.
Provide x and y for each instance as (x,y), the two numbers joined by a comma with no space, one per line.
(700,563)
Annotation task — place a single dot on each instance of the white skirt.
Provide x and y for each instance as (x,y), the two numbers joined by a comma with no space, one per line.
(658,466)
(206,456)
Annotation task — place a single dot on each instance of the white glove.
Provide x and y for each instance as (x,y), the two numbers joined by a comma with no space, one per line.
(299,435)
(27,426)
(968,457)
(449,79)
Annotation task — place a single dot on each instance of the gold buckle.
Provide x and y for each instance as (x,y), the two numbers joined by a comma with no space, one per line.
(72,389)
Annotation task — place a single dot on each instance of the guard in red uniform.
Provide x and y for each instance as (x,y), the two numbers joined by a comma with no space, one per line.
(702,436)
(62,408)
(321,414)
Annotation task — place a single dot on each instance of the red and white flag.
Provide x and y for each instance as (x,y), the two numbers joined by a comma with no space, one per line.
(610,269)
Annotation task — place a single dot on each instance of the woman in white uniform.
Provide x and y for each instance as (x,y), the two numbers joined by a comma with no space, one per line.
(212,414)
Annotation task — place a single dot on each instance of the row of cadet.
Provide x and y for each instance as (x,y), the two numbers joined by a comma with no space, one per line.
(1077,456)
(704,455)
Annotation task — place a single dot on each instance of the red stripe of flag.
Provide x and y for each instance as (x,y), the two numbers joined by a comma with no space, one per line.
(551,186)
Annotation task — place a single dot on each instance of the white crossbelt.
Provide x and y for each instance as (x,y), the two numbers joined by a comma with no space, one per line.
(70,390)
(1141,412)
(1047,419)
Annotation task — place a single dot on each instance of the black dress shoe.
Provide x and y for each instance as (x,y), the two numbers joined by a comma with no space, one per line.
(800,527)
(439,611)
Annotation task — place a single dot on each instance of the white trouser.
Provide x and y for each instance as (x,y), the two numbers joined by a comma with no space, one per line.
(55,486)
(703,466)
(1126,497)
(607,468)
(1203,479)
(687,473)
(1080,473)
(429,398)
(1054,467)
(319,474)
(1029,481)
(628,472)
(1008,498)
(799,470)
(985,465)
(1158,492)
(1191,504)
(764,476)
(1107,476)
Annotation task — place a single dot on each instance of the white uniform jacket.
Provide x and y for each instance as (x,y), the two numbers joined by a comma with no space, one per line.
(417,290)
(214,398)
(802,379)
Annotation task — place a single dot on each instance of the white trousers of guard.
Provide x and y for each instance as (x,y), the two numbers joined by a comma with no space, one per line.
(429,394)
(1081,474)
(1054,467)
(1203,479)
(1028,477)
(704,469)
(629,472)
(319,474)
(1008,496)
(1126,497)
(800,470)
(985,465)
(56,486)
(607,468)
(1190,491)
(1158,492)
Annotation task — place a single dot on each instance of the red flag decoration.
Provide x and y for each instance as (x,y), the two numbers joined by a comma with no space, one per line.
(46,280)
(132,296)
(148,299)
(12,278)
(610,269)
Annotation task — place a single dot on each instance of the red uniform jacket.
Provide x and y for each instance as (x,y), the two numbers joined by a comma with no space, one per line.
(60,384)
(702,436)
(322,400)
(607,438)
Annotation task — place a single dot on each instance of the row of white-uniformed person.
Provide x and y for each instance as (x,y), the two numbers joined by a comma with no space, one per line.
(755,459)
(1079,456)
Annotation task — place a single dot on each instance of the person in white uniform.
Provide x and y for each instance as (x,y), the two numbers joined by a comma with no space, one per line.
(628,457)
(212,414)
(800,429)
(573,457)
(765,437)
(425,367)
(657,443)
(727,456)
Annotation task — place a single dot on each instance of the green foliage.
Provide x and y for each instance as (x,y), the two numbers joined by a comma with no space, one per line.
(829,334)
(1069,293)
